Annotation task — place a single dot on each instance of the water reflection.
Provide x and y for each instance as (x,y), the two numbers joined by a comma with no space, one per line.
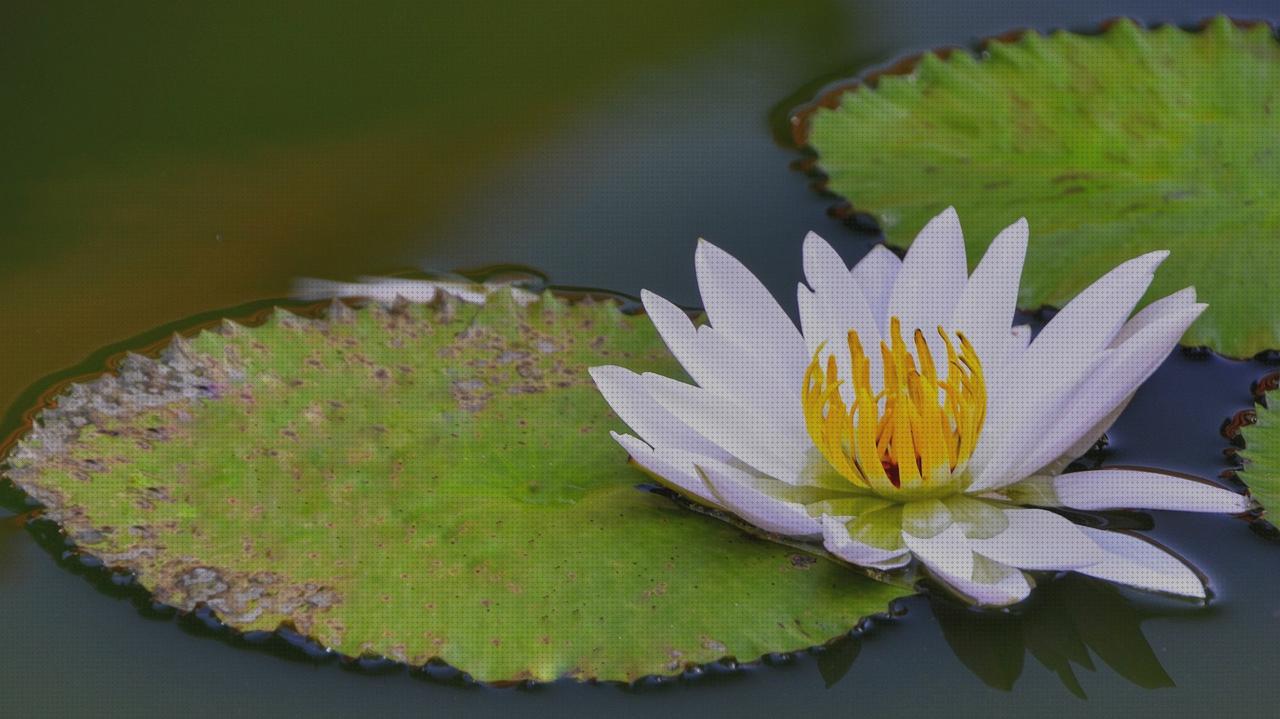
(12,537)
(1067,623)
(835,659)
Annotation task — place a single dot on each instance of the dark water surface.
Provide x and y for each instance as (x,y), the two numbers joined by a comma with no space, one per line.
(160,165)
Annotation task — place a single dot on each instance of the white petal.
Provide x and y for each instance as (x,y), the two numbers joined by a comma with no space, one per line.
(1113,383)
(874,276)
(832,309)
(1015,427)
(1142,564)
(672,467)
(733,487)
(739,305)
(1039,539)
(984,312)
(835,537)
(1136,489)
(1021,337)
(626,394)
(1154,311)
(1036,425)
(1006,364)
(933,276)
(949,559)
(1091,320)
(719,365)
(674,326)
(946,552)
(824,270)
(1086,440)
(743,433)
(826,320)
(1000,585)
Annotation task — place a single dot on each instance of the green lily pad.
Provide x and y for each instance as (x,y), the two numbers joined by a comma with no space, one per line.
(1261,454)
(1111,145)
(427,482)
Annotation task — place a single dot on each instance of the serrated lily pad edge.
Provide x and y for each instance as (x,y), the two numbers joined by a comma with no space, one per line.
(1237,431)
(54,426)
(831,94)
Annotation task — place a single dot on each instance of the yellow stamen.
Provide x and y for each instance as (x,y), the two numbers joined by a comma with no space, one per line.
(916,436)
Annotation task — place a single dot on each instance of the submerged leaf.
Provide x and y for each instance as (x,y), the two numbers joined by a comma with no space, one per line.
(1111,145)
(425,482)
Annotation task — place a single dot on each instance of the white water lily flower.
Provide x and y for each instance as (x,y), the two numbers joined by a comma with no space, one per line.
(910,419)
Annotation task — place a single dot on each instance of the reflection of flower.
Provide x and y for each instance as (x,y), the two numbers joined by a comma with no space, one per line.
(1065,627)
(910,419)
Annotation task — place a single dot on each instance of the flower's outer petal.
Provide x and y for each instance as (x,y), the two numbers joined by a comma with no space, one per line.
(1039,539)
(824,270)
(743,433)
(671,467)
(812,318)
(874,276)
(946,552)
(739,305)
(984,312)
(835,537)
(1114,382)
(932,278)
(674,326)
(1073,418)
(1143,564)
(1184,297)
(1021,337)
(720,366)
(1086,441)
(1087,325)
(1033,384)
(1156,313)
(999,372)
(626,394)
(949,559)
(992,585)
(1016,426)
(1091,320)
(733,488)
(1102,489)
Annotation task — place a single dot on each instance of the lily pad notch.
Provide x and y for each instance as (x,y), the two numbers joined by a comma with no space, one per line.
(421,482)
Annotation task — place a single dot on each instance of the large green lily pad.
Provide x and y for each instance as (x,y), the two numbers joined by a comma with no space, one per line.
(1261,454)
(428,482)
(1111,145)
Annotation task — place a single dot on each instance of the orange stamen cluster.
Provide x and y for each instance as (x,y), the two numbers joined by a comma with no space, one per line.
(914,436)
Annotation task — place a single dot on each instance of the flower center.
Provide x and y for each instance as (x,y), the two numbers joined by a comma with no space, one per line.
(916,436)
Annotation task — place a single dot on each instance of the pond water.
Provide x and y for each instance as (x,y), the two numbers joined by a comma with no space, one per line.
(170,166)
